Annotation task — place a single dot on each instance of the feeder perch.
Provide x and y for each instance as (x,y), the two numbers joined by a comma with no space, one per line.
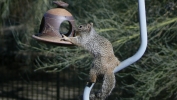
(55,22)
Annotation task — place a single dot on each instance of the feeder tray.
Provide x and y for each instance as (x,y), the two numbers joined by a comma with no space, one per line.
(51,25)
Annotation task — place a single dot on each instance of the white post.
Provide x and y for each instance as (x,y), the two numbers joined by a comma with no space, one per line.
(87,91)
(137,55)
(143,33)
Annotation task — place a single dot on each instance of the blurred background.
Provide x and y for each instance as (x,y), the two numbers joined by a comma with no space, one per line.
(32,70)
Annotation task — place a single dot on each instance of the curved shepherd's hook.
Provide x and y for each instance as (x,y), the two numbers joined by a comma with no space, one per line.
(135,57)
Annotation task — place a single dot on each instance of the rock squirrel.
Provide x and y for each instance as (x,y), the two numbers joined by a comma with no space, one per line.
(104,58)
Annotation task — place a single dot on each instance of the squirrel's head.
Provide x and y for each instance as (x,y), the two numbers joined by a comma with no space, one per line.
(86,28)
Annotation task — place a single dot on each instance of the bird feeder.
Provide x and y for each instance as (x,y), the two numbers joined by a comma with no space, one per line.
(55,22)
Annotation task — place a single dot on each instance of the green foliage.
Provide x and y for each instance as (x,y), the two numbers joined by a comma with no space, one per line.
(153,77)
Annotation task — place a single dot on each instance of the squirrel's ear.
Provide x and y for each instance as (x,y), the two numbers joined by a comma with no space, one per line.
(91,24)
(89,27)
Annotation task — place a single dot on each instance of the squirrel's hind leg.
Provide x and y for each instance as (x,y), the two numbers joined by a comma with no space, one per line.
(93,75)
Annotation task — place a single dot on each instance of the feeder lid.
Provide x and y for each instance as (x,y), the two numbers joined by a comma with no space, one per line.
(61,4)
(59,11)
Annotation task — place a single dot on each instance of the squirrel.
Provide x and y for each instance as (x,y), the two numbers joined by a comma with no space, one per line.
(104,59)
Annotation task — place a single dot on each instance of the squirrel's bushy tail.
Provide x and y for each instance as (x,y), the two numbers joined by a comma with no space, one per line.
(108,85)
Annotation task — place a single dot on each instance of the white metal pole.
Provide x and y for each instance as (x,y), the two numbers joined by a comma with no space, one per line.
(137,55)
(143,33)
(87,91)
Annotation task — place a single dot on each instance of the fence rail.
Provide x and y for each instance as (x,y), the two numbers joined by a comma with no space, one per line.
(40,86)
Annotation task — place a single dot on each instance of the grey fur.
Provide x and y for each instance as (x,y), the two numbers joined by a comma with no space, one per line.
(104,58)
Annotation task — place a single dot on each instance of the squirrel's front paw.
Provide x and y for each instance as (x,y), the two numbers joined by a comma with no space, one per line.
(65,38)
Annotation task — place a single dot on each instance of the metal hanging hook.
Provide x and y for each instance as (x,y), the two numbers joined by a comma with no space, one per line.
(137,55)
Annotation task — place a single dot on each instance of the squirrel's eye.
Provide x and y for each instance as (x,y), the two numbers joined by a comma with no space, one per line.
(80,26)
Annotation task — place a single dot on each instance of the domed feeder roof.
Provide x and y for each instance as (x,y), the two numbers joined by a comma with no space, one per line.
(59,12)
(51,22)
